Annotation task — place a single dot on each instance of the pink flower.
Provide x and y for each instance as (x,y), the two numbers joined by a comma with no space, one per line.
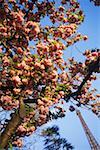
(19,17)
(0,50)
(19,50)
(0,84)
(16,91)
(64,76)
(32,129)
(6,98)
(12,72)
(42,67)
(54,74)
(61,93)
(94,53)
(21,129)
(48,62)
(25,81)
(6,61)
(16,79)
(37,29)
(22,65)
(18,143)
(37,64)
(3,29)
(40,102)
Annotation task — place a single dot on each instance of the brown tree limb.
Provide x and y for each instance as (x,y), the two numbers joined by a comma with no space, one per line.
(9,130)
(12,125)
(94,66)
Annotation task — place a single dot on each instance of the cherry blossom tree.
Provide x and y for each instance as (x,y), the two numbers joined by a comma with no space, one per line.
(34,78)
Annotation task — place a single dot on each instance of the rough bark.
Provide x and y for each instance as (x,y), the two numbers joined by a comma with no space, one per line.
(9,130)
(12,125)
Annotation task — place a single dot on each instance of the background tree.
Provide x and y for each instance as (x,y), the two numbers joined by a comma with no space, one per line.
(33,79)
(53,139)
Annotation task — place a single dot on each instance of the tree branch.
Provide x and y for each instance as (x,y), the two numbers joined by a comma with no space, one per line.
(9,130)
(93,67)
(12,125)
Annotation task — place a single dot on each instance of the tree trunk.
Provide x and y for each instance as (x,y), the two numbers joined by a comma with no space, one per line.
(9,130)
(12,125)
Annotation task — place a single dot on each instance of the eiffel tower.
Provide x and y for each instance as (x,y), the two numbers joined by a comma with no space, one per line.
(92,141)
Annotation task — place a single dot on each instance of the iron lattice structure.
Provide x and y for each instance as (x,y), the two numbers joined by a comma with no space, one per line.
(96,2)
(92,141)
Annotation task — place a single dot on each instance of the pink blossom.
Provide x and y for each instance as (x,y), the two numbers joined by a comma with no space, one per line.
(16,79)
(16,91)
(25,81)
(61,93)
(48,62)
(21,129)
(6,98)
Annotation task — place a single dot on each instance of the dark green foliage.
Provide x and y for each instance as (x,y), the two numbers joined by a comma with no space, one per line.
(53,141)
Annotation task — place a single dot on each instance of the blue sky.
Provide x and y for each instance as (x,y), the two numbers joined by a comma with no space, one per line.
(70,126)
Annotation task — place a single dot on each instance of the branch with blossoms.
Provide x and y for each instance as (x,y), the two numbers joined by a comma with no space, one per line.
(92,67)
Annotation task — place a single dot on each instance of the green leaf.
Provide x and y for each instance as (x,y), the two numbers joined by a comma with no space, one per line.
(10,146)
